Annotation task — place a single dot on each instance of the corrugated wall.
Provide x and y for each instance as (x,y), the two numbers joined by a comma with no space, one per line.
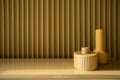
(57,28)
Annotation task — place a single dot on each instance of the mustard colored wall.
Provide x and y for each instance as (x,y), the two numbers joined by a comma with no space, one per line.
(57,28)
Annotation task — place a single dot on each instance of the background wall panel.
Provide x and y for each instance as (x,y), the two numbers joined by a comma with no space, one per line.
(57,28)
(118,27)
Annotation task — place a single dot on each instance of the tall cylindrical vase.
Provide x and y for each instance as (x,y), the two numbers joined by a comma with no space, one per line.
(100,48)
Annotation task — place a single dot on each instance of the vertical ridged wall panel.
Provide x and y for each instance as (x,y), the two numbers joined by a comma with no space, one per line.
(118,28)
(57,28)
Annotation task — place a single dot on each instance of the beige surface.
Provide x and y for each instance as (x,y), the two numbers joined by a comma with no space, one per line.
(53,68)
